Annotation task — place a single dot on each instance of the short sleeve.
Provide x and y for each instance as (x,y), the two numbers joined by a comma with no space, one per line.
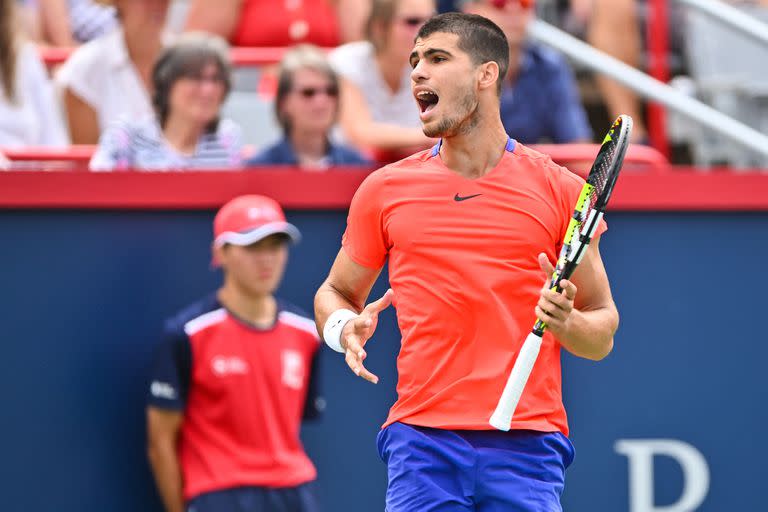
(171,370)
(364,239)
(352,60)
(338,58)
(82,72)
(115,149)
(314,404)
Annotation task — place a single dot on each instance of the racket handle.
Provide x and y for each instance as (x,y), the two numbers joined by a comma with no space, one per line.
(513,390)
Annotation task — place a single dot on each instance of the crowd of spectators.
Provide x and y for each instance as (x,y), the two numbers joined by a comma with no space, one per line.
(151,96)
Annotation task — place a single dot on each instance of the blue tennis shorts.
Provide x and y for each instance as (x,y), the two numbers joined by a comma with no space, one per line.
(435,470)
(257,499)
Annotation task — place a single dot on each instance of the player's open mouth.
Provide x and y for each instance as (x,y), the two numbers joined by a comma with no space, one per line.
(427,100)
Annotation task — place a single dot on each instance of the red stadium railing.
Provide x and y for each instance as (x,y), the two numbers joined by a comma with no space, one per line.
(241,56)
(657,35)
(577,157)
(686,189)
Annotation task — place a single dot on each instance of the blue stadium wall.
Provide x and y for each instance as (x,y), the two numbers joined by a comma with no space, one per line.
(85,292)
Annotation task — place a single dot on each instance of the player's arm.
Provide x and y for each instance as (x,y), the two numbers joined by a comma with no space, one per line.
(163,427)
(583,317)
(347,288)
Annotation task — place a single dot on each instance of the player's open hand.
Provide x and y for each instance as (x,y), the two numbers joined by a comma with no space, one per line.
(358,331)
(554,307)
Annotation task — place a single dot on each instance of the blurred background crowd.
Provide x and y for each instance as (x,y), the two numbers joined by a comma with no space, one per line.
(174,84)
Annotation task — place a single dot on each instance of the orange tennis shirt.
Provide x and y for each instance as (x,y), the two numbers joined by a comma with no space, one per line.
(464,271)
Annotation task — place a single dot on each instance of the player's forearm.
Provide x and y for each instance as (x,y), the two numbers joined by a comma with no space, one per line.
(328,299)
(164,460)
(589,334)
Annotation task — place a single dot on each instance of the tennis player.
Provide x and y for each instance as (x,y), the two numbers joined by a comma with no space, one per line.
(470,229)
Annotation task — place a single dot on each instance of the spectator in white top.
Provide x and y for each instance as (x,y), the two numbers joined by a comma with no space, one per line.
(191,80)
(378,112)
(29,115)
(109,77)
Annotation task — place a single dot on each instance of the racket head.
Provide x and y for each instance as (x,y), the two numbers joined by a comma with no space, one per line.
(605,169)
(595,194)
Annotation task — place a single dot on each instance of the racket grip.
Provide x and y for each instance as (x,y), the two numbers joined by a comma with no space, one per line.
(502,417)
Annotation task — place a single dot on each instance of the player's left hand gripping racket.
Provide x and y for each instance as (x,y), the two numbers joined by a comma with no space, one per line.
(590,208)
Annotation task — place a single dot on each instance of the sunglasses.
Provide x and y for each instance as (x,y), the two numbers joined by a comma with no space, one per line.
(500,4)
(413,21)
(310,92)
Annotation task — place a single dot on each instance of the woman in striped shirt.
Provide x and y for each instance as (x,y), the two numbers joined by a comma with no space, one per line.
(191,80)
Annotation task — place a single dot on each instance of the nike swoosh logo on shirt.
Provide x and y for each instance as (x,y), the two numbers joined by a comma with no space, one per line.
(457,197)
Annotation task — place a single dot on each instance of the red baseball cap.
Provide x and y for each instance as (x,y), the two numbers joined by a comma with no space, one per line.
(247,219)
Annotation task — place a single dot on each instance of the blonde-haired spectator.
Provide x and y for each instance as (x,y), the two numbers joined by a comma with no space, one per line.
(109,78)
(378,111)
(28,112)
(306,107)
(191,80)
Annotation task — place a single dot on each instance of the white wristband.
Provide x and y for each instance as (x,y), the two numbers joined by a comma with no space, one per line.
(333,327)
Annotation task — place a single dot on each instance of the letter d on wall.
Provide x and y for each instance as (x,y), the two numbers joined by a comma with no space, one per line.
(640,453)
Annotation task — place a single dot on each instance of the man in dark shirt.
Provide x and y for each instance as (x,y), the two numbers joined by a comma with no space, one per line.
(233,377)
(539,101)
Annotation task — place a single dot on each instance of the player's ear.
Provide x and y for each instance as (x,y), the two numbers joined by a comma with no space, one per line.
(217,253)
(488,74)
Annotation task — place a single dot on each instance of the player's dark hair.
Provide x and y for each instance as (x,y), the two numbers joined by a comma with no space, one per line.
(479,37)
(188,56)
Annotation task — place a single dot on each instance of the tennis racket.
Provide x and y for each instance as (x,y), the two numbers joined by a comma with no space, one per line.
(590,208)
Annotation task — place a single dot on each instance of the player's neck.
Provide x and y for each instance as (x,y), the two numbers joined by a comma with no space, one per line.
(259,310)
(476,153)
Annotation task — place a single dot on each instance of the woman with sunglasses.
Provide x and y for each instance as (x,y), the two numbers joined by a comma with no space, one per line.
(378,112)
(190,80)
(306,106)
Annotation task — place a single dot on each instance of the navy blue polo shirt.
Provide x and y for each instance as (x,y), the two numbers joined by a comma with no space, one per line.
(282,153)
(542,104)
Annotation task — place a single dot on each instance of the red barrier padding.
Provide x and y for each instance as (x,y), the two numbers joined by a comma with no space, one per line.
(241,56)
(683,189)
(577,157)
